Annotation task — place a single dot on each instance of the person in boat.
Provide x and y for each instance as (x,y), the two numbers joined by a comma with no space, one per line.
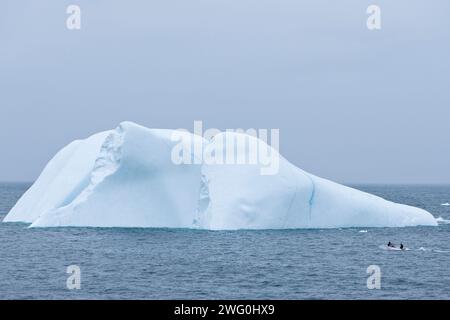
(390,245)
(401,246)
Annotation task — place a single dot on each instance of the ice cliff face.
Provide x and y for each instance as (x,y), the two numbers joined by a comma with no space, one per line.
(127,178)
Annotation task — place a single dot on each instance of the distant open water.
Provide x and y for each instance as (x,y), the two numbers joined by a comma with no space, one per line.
(118,263)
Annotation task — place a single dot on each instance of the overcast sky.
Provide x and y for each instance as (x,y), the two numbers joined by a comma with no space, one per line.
(352,105)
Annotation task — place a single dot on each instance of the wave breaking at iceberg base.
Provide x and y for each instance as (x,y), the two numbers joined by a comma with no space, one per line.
(441,220)
(126,178)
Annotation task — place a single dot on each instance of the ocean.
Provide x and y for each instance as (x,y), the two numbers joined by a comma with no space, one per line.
(120,263)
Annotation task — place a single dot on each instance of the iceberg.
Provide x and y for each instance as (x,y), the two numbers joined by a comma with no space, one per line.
(126,177)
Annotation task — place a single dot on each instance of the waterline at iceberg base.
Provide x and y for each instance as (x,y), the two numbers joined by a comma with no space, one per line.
(126,178)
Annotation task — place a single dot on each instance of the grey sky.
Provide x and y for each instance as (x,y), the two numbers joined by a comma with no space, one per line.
(352,105)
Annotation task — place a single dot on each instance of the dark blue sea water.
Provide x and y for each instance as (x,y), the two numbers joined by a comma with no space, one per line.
(192,264)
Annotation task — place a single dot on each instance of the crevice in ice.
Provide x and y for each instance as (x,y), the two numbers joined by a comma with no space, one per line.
(311,199)
(107,162)
(109,157)
(204,202)
(75,193)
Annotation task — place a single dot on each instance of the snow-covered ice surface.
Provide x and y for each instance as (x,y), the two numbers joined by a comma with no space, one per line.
(126,178)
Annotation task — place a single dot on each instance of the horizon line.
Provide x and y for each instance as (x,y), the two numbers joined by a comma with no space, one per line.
(344,183)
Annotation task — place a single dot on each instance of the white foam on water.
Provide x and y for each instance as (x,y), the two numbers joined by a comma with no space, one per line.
(441,220)
(386,247)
